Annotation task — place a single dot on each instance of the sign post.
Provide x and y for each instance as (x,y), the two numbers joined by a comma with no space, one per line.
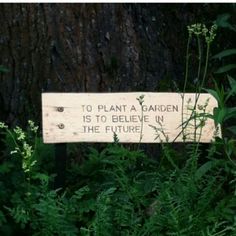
(137,117)
(60,165)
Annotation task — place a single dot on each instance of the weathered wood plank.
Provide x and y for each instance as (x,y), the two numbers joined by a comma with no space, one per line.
(95,117)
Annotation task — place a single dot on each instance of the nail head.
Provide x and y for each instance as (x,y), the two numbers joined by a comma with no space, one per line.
(60,109)
(61,126)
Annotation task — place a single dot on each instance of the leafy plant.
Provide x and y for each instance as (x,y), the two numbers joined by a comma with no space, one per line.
(186,190)
(223,22)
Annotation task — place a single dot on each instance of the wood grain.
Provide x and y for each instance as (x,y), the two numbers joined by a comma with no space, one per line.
(95,117)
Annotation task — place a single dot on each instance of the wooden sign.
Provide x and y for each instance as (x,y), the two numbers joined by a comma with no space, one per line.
(134,117)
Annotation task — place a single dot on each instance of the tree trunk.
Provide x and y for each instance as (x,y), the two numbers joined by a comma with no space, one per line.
(88,48)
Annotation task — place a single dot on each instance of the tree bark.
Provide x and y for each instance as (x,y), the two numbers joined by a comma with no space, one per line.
(88,48)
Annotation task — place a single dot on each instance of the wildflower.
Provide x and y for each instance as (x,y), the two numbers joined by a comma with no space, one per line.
(3,126)
(27,150)
(211,34)
(13,152)
(201,29)
(195,29)
(20,133)
(204,30)
(32,126)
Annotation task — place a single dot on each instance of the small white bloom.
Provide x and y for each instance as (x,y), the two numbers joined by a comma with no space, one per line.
(13,152)
(3,126)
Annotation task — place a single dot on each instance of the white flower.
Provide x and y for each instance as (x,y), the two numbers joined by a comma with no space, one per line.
(3,126)
(13,152)
(20,133)
(32,126)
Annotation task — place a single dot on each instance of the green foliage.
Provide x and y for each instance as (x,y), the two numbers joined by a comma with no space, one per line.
(226,68)
(120,191)
(225,53)
(3,69)
(223,113)
(187,191)
(223,22)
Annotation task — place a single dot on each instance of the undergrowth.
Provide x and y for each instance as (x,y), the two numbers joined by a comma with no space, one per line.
(117,191)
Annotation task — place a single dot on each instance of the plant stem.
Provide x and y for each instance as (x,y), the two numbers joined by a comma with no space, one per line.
(185,83)
(199,58)
(203,79)
(141,131)
(206,66)
(198,78)
(187,64)
(200,88)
